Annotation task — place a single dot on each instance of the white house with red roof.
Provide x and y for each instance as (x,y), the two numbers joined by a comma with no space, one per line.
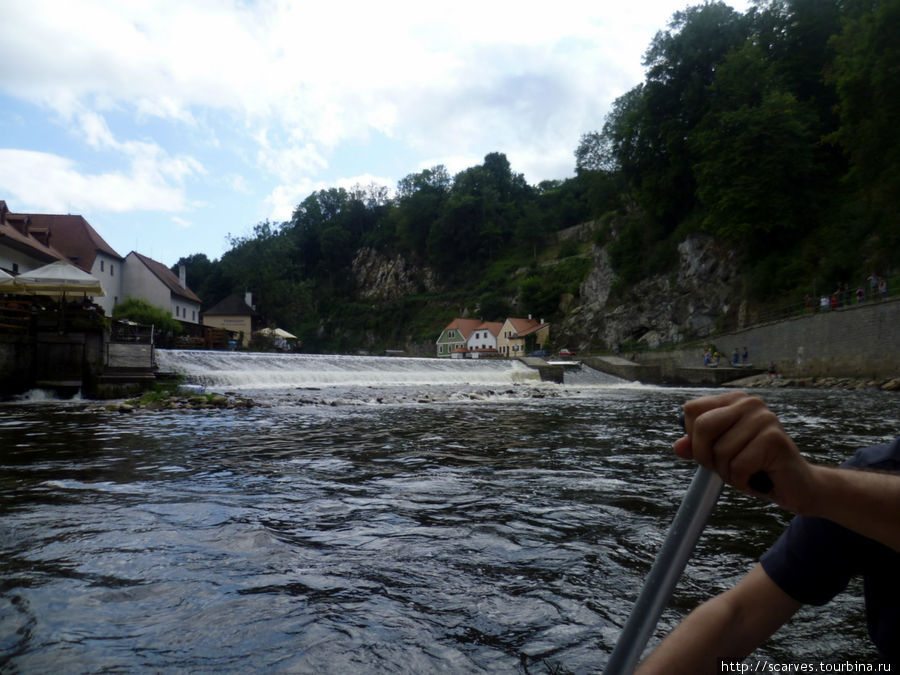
(483,340)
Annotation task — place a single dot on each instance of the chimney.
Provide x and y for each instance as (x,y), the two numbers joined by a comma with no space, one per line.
(182,276)
(248,299)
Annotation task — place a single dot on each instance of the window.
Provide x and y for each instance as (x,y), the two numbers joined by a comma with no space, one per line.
(177,310)
(112,270)
(15,268)
(193,315)
(101,266)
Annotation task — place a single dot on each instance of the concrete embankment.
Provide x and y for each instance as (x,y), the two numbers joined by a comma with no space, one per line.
(667,372)
(860,341)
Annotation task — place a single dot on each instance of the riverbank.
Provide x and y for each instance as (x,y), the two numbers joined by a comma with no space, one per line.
(848,383)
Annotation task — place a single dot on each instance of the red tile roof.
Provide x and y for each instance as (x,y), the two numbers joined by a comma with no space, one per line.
(165,275)
(494,327)
(74,237)
(17,232)
(525,327)
(464,326)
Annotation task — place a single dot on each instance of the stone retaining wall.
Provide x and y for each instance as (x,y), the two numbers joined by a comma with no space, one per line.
(859,341)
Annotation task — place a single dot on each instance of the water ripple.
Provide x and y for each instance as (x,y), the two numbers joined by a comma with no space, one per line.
(461,537)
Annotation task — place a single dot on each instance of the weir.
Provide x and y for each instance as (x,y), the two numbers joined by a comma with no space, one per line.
(249,370)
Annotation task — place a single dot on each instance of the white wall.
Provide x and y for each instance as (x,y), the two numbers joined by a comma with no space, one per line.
(481,339)
(109,271)
(10,257)
(139,282)
(185,310)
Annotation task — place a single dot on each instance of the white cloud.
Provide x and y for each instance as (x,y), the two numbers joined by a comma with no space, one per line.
(53,184)
(278,86)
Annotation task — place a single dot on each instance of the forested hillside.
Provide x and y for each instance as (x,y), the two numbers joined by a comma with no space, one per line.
(774,130)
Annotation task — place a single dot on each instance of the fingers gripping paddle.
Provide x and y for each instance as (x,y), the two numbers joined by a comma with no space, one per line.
(683,534)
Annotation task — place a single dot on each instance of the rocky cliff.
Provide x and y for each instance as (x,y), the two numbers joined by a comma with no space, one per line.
(668,307)
(381,277)
(660,309)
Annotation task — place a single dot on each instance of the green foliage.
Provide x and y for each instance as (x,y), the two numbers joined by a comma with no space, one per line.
(756,169)
(541,292)
(569,248)
(865,76)
(141,311)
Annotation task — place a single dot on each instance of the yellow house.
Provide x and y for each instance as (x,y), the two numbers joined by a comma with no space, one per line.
(519,337)
(233,314)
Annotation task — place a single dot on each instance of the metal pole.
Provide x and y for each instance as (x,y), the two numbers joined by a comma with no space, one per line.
(689,522)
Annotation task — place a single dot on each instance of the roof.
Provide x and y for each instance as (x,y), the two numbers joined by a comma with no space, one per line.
(167,276)
(16,232)
(493,327)
(233,305)
(464,326)
(74,237)
(525,327)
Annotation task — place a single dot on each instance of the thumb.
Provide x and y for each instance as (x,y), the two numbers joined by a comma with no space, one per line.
(683,448)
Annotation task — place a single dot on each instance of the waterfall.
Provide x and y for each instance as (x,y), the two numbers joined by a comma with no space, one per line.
(252,370)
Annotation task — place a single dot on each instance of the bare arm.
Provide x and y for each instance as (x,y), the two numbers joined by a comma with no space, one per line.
(727,627)
(866,502)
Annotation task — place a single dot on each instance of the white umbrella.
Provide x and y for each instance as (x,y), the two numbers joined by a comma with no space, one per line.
(277,332)
(57,278)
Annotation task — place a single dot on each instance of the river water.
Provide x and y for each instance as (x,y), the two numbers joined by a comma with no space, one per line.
(377,516)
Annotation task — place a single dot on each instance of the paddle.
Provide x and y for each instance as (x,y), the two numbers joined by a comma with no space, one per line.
(683,534)
(689,522)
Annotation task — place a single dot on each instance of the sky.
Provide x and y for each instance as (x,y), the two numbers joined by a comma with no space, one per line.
(171,125)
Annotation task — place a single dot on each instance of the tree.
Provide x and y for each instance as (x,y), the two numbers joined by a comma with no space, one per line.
(866,73)
(421,197)
(142,312)
(756,167)
(646,133)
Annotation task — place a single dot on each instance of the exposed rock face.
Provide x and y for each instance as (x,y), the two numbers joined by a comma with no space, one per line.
(660,309)
(380,277)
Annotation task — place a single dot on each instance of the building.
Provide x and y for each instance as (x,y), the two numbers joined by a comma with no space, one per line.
(234,314)
(152,281)
(520,337)
(483,340)
(22,247)
(81,245)
(455,336)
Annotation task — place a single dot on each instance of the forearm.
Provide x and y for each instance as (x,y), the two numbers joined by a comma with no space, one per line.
(697,644)
(867,502)
(728,627)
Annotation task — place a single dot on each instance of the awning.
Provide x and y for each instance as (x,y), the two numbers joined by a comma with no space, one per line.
(57,278)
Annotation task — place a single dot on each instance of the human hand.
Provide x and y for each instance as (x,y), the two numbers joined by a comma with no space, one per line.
(737,436)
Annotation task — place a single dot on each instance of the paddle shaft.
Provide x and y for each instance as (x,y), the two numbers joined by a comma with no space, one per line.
(698,503)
